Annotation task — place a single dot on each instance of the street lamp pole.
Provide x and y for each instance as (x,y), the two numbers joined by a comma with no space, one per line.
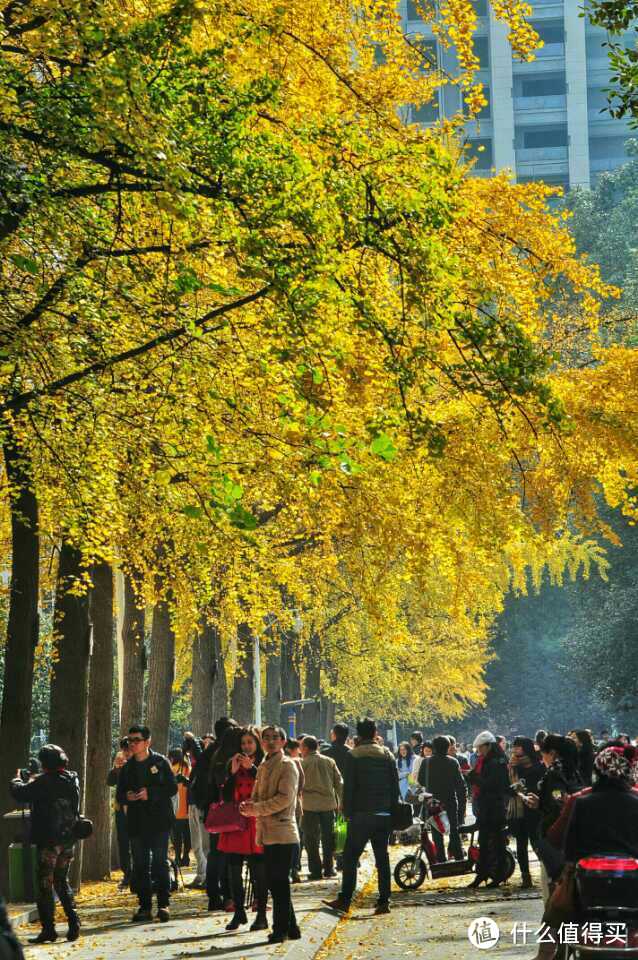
(257,678)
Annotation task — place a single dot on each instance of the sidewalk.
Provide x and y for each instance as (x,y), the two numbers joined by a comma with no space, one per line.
(191,932)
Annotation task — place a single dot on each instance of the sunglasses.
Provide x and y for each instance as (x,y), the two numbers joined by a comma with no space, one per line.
(136,739)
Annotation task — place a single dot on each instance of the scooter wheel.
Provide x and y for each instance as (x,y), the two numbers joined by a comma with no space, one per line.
(510,865)
(409,873)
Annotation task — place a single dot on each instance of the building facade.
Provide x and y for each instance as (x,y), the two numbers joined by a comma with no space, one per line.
(543,120)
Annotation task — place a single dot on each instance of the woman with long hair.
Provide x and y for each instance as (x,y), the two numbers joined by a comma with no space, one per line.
(561,778)
(526,771)
(217,885)
(240,846)
(274,802)
(585,759)
(405,760)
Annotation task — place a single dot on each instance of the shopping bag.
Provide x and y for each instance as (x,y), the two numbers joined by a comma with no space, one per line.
(340,831)
(225,817)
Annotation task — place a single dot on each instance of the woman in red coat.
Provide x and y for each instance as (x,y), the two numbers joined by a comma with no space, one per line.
(240,845)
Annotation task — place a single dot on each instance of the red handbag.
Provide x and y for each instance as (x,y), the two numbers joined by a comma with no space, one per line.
(225,817)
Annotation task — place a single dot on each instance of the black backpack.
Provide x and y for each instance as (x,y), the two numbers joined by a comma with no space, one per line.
(62,820)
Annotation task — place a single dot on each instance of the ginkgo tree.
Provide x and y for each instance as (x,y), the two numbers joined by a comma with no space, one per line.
(273,352)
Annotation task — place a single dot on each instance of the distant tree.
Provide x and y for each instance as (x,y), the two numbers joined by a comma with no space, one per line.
(615,16)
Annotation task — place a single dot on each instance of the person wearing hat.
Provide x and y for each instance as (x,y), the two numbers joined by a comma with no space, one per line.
(491,782)
(54,797)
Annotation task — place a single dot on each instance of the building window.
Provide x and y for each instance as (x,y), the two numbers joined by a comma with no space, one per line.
(480,7)
(481,151)
(429,55)
(426,112)
(550,85)
(485,113)
(379,55)
(603,147)
(415,12)
(545,137)
(597,99)
(482,51)
(550,31)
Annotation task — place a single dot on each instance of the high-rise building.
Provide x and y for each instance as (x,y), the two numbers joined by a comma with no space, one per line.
(545,119)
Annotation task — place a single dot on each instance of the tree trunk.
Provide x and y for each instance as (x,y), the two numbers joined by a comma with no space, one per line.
(312,711)
(70,676)
(272,707)
(243,695)
(203,679)
(220,684)
(290,682)
(134,658)
(22,626)
(161,673)
(328,715)
(97,851)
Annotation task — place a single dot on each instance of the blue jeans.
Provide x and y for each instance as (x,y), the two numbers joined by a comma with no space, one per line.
(361,828)
(150,866)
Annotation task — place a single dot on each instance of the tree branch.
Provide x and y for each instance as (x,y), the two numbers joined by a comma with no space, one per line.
(20,400)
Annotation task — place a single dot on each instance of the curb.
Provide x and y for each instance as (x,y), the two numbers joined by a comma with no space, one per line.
(26,916)
(319,929)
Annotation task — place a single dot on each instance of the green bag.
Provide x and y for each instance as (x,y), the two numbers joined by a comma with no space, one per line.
(340,831)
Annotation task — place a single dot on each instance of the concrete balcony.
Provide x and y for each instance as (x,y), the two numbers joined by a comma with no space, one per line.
(602,164)
(541,154)
(549,57)
(543,169)
(540,104)
(547,9)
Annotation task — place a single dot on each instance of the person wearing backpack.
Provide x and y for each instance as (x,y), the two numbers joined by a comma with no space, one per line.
(146,785)
(54,798)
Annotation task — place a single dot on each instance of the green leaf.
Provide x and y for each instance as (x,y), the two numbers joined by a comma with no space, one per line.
(24,263)
(192,511)
(212,446)
(382,446)
(241,518)
(187,281)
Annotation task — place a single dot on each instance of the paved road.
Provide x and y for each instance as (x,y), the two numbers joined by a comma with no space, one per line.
(430,923)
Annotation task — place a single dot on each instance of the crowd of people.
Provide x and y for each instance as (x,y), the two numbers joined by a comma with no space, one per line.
(243,801)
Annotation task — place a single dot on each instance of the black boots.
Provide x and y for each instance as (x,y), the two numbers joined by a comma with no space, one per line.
(74,926)
(260,922)
(46,913)
(46,935)
(239,917)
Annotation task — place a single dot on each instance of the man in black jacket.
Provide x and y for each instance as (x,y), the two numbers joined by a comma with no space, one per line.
(338,751)
(441,776)
(370,797)
(54,797)
(145,786)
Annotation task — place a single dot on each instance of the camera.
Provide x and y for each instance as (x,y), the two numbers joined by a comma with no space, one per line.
(32,769)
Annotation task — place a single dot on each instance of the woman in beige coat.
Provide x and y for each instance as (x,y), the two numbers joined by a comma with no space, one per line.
(273,803)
